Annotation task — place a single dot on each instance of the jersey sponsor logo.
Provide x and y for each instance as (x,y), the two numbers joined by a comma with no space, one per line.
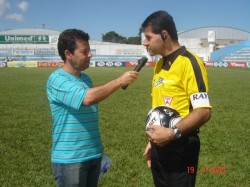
(158,82)
(167,100)
(199,100)
(202,95)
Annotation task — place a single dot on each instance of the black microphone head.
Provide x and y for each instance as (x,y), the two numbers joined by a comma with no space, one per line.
(143,60)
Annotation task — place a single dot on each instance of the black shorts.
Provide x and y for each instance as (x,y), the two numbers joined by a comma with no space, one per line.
(175,165)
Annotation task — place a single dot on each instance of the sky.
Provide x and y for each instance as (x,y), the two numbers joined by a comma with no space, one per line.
(97,17)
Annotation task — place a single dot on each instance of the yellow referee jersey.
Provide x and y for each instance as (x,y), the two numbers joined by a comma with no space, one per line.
(180,81)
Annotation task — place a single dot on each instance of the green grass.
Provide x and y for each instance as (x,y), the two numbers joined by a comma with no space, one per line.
(25,127)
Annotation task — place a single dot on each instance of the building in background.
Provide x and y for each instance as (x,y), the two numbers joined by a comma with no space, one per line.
(205,40)
(41,45)
(38,47)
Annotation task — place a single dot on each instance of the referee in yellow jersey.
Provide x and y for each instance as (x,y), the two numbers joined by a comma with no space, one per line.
(180,81)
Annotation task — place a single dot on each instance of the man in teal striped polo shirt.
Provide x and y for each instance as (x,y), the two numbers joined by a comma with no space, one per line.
(76,143)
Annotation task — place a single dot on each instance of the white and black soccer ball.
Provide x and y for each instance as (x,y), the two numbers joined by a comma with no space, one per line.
(163,116)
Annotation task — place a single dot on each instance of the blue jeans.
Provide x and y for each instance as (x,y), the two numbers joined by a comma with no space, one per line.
(83,174)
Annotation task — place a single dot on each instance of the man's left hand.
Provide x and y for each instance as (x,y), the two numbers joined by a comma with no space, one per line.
(160,135)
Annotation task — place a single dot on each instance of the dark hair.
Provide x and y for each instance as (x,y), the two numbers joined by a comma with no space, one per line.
(67,41)
(159,21)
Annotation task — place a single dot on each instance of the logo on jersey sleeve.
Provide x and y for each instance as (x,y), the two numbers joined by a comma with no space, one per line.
(199,100)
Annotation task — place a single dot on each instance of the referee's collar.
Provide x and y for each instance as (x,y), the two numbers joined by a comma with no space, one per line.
(169,59)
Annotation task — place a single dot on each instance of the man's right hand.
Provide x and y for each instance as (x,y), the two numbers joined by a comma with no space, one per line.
(128,77)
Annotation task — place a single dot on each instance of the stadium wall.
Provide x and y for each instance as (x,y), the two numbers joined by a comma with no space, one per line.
(38,48)
(228,64)
(37,64)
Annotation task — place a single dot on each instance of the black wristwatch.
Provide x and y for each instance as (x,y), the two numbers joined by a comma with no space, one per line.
(177,132)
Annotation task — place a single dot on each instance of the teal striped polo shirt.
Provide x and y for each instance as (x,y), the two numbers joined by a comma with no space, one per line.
(75,133)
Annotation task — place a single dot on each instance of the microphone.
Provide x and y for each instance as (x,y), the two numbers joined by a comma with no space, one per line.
(141,62)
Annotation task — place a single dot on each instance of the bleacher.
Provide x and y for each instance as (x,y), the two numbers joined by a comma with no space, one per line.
(36,56)
(239,52)
(22,54)
(101,51)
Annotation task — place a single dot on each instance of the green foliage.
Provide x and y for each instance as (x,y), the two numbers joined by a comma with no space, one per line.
(134,40)
(113,37)
(25,124)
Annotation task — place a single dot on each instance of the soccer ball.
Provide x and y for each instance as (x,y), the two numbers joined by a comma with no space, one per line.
(163,116)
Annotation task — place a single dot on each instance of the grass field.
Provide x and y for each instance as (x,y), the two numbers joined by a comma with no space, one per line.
(25,127)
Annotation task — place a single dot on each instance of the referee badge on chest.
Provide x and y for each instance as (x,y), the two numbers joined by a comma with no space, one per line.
(167,100)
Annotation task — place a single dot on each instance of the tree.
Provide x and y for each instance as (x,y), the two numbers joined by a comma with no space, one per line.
(134,40)
(113,37)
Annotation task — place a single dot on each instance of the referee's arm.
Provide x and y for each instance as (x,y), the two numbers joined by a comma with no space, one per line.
(194,120)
